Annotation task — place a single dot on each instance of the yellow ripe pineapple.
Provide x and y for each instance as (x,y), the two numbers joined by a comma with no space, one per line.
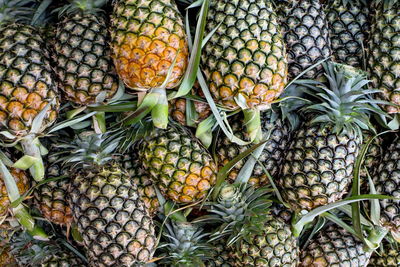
(147,37)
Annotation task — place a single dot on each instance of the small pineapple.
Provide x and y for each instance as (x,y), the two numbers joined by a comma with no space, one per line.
(254,235)
(82,55)
(180,166)
(147,37)
(383,48)
(349,26)
(185,245)
(387,182)
(334,246)
(114,222)
(278,133)
(318,167)
(245,59)
(306,35)
(220,255)
(389,256)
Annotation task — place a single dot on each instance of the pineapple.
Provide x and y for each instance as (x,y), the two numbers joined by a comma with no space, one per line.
(185,245)
(318,167)
(51,197)
(114,222)
(147,37)
(384,45)
(334,246)
(306,35)
(180,166)
(348,28)
(372,158)
(389,257)
(26,78)
(278,133)
(259,238)
(245,59)
(221,255)
(141,178)
(387,182)
(82,55)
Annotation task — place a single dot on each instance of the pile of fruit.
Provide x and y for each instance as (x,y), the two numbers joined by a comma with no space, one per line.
(199,133)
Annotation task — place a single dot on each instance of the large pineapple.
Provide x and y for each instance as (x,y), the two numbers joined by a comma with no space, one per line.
(384,45)
(27,85)
(278,133)
(82,55)
(387,182)
(245,59)
(141,178)
(306,35)
(349,26)
(334,246)
(147,37)
(318,167)
(180,166)
(114,222)
(259,238)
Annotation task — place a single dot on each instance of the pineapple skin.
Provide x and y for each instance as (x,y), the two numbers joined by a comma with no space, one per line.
(82,59)
(387,182)
(146,38)
(272,156)
(246,56)
(348,29)
(26,81)
(62,258)
(334,246)
(180,166)
(318,167)
(306,35)
(389,258)
(112,219)
(141,178)
(383,60)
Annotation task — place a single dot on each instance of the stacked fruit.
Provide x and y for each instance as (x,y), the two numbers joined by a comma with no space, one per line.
(281,147)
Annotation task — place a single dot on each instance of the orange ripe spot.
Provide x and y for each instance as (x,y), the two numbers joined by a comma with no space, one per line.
(53,116)
(41,88)
(20,93)
(217,78)
(157,47)
(185,199)
(16,125)
(151,60)
(225,92)
(247,84)
(42,105)
(181,60)
(29,114)
(192,179)
(143,43)
(204,185)
(134,69)
(162,34)
(270,96)
(125,51)
(137,55)
(163,66)
(260,89)
(3,116)
(33,100)
(130,41)
(147,74)
(15,109)
(252,102)
(174,41)
(169,53)
(231,81)
(189,190)
(206,172)
(3,102)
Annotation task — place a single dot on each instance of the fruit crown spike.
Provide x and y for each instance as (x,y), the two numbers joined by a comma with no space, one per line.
(89,149)
(345,104)
(84,6)
(16,11)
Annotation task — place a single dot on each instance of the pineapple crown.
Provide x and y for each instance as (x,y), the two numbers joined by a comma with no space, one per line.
(89,149)
(16,11)
(185,244)
(83,6)
(344,103)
